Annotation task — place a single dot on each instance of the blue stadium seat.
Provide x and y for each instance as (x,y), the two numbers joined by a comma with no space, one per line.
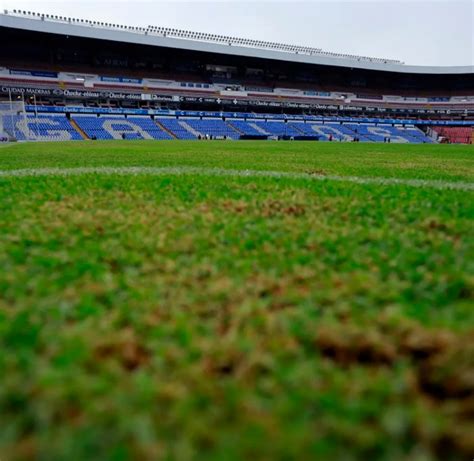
(395,134)
(245,128)
(339,132)
(120,128)
(176,128)
(213,127)
(278,128)
(58,127)
(42,128)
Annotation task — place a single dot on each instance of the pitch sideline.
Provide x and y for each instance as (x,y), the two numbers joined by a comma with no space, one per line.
(190,171)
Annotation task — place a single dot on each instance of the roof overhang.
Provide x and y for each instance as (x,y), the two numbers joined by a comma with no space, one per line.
(143,38)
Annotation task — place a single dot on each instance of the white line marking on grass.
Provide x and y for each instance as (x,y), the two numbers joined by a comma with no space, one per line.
(190,171)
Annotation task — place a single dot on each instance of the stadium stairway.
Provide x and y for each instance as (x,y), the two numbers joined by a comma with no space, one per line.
(172,125)
(190,129)
(258,129)
(113,127)
(216,128)
(246,128)
(164,128)
(299,129)
(278,128)
(232,127)
(87,126)
(41,128)
(78,129)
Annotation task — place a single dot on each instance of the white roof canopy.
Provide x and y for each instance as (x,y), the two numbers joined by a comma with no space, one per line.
(195,41)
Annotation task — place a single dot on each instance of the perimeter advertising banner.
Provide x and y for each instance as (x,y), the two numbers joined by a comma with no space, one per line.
(90,94)
(34,73)
(29,91)
(240,115)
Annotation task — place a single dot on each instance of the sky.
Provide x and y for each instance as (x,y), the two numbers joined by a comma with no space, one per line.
(418,32)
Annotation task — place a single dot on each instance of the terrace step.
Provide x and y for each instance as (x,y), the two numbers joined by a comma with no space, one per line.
(297,128)
(165,129)
(190,129)
(78,129)
(240,132)
(259,129)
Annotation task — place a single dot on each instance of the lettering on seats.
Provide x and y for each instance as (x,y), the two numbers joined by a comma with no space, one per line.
(326,130)
(113,127)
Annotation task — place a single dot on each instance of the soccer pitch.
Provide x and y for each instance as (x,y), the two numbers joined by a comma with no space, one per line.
(236,301)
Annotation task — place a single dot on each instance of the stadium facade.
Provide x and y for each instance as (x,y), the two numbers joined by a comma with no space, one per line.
(83,79)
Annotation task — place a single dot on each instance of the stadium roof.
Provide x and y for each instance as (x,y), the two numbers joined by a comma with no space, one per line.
(210,43)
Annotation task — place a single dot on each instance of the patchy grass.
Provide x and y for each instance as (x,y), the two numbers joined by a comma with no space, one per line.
(394,160)
(201,317)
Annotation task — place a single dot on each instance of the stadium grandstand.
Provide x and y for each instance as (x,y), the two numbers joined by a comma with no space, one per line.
(73,79)
(236,249)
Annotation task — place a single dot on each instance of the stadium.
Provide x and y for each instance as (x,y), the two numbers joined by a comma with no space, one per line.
(91,80)
(220,248)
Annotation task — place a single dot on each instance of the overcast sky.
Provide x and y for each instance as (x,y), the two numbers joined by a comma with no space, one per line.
(425,32)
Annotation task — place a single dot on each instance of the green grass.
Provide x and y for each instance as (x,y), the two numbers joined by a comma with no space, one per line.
(230,318)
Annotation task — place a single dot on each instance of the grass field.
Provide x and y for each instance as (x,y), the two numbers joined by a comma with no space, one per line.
(182,301)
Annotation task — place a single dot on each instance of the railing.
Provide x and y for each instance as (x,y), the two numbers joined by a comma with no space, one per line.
(199,36)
